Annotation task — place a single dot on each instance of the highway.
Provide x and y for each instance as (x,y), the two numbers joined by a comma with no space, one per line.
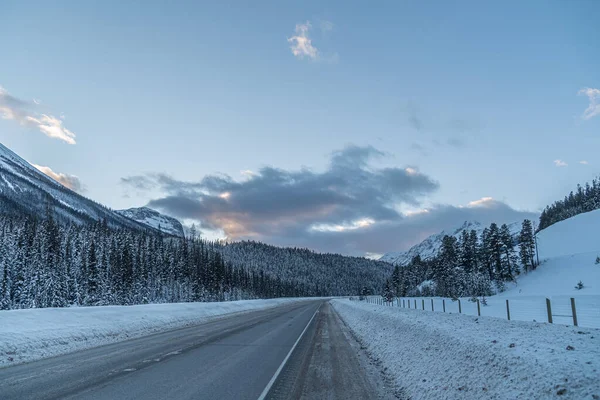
(267,354)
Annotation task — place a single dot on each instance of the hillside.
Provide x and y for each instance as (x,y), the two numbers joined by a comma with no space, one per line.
(155,220)
(320,273)
(567,251)
(430,247)
(25,190)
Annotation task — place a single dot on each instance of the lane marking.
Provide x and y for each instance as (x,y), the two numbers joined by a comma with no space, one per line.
(265,392)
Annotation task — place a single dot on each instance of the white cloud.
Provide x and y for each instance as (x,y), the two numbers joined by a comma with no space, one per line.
(560,163)
(584,162)
(12,108)
(52,127)
(594,107)
(70,181)
(301,44)
(482,202)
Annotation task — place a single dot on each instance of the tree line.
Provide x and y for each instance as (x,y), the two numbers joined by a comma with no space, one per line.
(44,264)
(584,199)
(470,265)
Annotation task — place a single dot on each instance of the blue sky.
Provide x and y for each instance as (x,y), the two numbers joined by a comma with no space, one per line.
(481,99)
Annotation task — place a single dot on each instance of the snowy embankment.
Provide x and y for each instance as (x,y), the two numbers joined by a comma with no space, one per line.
(31,334)
(451,356)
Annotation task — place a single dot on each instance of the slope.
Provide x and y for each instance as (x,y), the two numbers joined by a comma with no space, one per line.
(430,247)
(155,220)
(25,190)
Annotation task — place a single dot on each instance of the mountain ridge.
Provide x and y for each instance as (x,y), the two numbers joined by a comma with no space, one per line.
(26,190)
(154,219)
(431,245)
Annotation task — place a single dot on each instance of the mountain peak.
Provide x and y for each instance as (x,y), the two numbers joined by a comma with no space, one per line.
(154,219)
(430,247)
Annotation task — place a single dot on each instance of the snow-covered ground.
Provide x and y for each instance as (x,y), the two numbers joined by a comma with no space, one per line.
(450,356)
(31,334)
(567,251)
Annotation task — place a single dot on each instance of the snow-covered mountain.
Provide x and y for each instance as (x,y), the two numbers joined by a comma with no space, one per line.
(430,247)
(154,219)
(25,190)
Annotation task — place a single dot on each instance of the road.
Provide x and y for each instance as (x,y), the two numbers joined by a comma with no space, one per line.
(235,357)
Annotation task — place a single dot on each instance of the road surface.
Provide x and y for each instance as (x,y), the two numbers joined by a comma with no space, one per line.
(236,357)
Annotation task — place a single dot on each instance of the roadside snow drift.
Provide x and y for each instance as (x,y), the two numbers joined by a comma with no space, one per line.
(449,356)
(31,334)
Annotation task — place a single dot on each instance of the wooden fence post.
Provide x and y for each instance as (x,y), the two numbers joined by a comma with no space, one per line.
(415,304)
(459,307)
(432,305)
(507,310)
(408,301)
(574,311)
(549,309)
(403,304)
(478,308)
(423,304)
(444,304)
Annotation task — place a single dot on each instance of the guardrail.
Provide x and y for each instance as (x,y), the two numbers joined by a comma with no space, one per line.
(565,310)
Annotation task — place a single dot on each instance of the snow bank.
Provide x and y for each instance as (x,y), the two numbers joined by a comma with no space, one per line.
(31,334)
(578,234)
(451,356)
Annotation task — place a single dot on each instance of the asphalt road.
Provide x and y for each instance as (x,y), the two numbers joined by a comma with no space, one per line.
(234,357)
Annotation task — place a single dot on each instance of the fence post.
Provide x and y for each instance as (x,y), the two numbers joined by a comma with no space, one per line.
(415,304)
(549,309)
(478,308)
(507,310)
(574,311)
(459,307)
(432,305)
(403,304)
(444,304)
(423,304)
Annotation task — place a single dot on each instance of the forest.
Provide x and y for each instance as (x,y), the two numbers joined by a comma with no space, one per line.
(470,265)
(47,264)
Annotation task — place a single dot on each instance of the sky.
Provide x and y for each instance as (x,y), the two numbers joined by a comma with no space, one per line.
(339,126)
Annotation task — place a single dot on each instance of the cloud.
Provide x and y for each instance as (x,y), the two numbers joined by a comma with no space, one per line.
(560,163)
(13,108)
(301,44)
(274,201)
(352,207)
(594,106)
(70,181)
(584,162)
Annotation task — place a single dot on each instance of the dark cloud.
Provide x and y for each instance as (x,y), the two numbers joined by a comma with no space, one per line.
(351,207)
(275,201)
(405,232)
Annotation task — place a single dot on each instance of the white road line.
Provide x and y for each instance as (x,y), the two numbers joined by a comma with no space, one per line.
(265,392)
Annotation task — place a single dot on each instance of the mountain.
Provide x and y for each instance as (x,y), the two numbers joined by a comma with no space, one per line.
(154,219)
(430,247)
(25,190)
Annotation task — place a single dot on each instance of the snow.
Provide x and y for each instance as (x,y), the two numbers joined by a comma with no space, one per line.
(575,235)
(154,219)
(31,334)
(451,356)
(431,246)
